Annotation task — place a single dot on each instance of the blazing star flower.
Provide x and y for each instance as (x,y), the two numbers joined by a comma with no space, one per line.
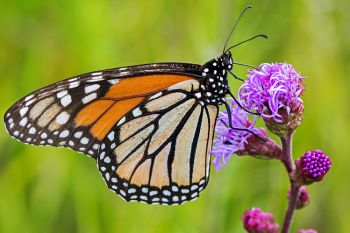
(257,221)
(230,141)
(303,197)
(271,88)
(312,166)
(307,231)
(274,90)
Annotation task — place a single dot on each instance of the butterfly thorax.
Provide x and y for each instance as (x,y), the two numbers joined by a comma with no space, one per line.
(215,86)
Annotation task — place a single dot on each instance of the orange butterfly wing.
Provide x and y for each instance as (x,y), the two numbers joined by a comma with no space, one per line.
(150,134)
(78,112)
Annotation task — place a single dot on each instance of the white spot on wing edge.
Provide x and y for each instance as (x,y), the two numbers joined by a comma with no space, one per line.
(23,111)
(74,84)
(111,136)
(113,81)
(114,180)
(32,130)
(89,98)
(136,112)
(96,73)
(62,93)
(84,141)
(132,190)
(29,97)
(96,78)
(155,96)
(91,88)
(78,134)
(152,193)
(30,102)
(121,121)
(107,160)
(166,192)
(23,122)
(65,101)
(64,134)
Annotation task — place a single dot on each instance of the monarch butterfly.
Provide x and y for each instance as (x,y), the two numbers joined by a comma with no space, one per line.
(149,127)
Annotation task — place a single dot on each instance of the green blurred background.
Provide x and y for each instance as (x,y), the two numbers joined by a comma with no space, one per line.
(45,189)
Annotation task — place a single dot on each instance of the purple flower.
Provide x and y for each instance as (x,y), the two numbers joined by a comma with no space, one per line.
(312,166)
(307,231)
(272,89)
(257,221)
(229,141)
(303,197)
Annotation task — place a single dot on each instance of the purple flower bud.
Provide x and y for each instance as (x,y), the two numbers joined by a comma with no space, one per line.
(257,221)
(303,197)
(312,166)
(262,149)
(274,90)
(230,141)
(307,231)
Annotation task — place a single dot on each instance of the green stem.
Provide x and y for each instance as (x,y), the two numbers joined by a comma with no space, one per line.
(292,203)
(287,160)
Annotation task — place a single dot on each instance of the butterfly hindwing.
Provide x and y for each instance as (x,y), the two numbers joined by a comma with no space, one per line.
(159,153)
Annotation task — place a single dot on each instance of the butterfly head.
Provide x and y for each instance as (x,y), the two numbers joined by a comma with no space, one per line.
(226,60)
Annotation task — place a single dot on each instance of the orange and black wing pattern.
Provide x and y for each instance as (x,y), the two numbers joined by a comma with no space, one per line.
(159,151)
(145,125)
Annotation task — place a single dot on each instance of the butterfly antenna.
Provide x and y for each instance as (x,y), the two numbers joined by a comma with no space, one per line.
(242,42)
(234,26)
(243,64)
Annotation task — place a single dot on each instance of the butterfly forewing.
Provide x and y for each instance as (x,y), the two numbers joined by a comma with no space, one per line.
(78,112)
(49,116)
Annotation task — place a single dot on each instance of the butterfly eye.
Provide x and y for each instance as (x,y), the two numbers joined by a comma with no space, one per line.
(227,60)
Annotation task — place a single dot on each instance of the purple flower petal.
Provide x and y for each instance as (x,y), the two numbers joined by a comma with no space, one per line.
(271,88)
(229,141)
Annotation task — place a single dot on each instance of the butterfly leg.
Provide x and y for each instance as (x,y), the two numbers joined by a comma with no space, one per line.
(229,113)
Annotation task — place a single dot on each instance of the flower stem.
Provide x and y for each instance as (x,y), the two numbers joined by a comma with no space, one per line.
(288,217)
(287,160)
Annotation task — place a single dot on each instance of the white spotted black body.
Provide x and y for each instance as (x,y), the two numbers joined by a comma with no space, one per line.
(214,86)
